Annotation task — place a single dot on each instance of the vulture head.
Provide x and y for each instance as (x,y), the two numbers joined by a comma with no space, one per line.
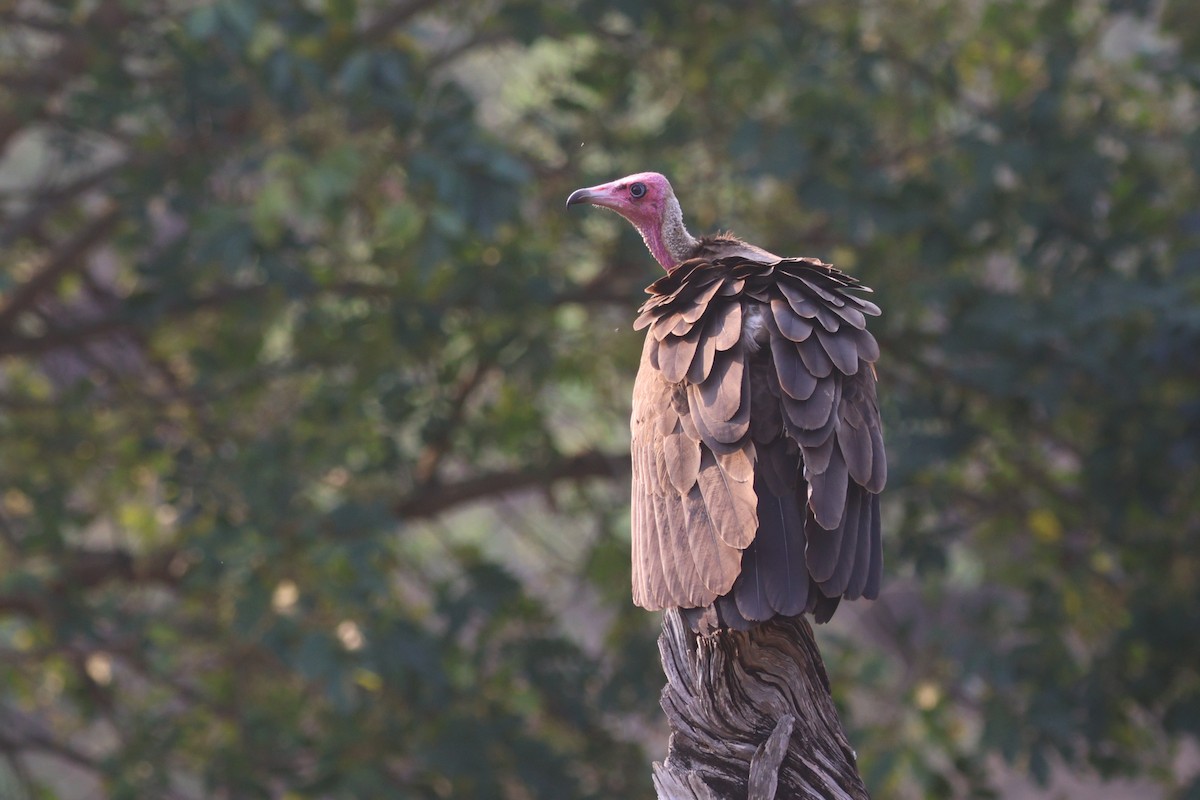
(648,202)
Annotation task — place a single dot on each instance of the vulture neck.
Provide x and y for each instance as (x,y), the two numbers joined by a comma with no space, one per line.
(670,243)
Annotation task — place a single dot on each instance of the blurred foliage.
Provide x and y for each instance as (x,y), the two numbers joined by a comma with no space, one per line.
(313,399)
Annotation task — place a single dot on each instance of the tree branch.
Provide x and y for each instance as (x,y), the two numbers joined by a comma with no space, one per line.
(86,569)
(430,501)
(751,716)
(68,257)
(431,455)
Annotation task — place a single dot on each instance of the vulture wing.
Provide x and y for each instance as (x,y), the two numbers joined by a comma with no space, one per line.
(757,447)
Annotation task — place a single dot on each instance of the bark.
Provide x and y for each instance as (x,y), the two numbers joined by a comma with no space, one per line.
(751,716)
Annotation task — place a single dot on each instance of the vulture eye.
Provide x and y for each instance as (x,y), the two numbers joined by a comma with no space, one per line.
(637,190)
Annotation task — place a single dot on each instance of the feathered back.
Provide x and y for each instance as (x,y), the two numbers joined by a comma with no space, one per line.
(757,448)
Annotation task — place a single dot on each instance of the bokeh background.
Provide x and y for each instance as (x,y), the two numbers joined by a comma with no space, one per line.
(313,398)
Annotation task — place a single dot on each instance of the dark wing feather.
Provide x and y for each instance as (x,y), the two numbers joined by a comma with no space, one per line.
(816,458)
(828,495)
(839,579)
(842,350)
(816,357)
(875,574)
(824,546)
(791,324)
(862,551)
(798,300)
(781,545)
(750,597)
(836,425)
(854,435)
(795,378)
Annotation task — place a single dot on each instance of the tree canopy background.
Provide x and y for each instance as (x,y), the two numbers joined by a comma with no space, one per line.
(313,399)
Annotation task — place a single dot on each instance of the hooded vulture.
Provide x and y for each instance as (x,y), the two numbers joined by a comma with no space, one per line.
(757,447)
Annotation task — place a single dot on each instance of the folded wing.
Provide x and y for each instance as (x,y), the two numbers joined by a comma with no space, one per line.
(757,446)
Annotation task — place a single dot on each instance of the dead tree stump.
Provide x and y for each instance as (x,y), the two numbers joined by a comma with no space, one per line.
(751,716)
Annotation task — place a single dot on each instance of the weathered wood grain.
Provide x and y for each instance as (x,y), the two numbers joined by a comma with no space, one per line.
(751,716)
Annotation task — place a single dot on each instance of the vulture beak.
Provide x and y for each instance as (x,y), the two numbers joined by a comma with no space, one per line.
(594,195)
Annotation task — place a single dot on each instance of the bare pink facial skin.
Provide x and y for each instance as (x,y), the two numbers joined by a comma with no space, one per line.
(648,202)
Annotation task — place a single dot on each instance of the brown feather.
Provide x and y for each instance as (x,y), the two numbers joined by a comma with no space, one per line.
(766,423)
(701,300)
(644,319)
(854,434)
(730,504)
(682,326)
(866,306)
(650,352)
(725,326)
(682,456)
(731,288)
(695,590)
(655,593)
(638,548)
(688,425)
(665,420)
(716,562)
(721,436)
(675,354)
(663,325)
(778,465)
(738,465)
(702,361)
(721,394)
(672,582)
